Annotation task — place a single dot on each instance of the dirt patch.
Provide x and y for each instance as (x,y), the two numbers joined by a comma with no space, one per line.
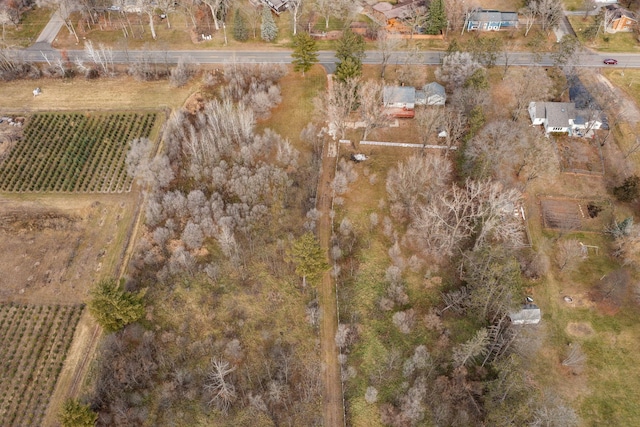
(580,329)
(577,300)
(563,213)
(580,155)
(53,248)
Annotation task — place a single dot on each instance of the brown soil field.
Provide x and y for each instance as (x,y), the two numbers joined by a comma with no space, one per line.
(53,248)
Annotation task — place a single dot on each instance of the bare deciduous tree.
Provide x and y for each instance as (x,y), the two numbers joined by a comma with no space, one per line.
(405,320)
(511,151)
(569,253)
(295,8)
(417,179)
(479,209)
(339,102)
(456,68)
(372,110)
(219,386)
(182,72)
(386,43)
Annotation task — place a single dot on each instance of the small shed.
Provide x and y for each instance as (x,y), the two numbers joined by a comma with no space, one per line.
(431,94)
(528,315)
(399,97)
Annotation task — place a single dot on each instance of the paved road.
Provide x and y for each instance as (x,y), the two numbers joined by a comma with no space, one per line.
(50,31)
(36,53)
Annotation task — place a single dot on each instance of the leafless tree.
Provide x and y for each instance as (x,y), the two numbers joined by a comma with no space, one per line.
(166,6)
(529,14)
(345,336)
(549,13)
(345,10)
(326,9)
(453,126)
(295,8)
(534,83)
(429,122)
(372,110)
(102,57)
(254,16)
(182,72)
(480,209)
(218,385)
(456,11)
(192,236)
(148,8)
(456,69)
(405,320)
(420,362)
(569,253)
(386,43)
(339,102)
(5,19)
(506,151)
(415,15)
(416,180)
(216,6)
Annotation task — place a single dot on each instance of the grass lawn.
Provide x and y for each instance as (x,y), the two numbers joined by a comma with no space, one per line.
(121,93)
(619,42)
(296,109)
(25,33)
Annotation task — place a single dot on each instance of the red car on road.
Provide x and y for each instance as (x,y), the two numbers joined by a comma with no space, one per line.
(611,61)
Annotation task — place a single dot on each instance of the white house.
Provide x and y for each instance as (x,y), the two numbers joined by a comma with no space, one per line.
(563,117)
(431,94)
(528,315)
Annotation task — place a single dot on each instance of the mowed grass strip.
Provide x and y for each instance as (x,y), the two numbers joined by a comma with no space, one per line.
(74,153)
(34,342)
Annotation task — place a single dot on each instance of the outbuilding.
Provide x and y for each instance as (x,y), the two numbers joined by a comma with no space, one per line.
(529,314)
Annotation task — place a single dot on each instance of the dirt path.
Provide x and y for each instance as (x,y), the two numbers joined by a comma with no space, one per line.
(333,399)
(86,339)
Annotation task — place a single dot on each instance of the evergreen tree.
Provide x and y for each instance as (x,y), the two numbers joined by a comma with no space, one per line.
(75,414)
(268,28)
(308,256)
(349,68)
(305,52)
(350,52)
(437,19)
(240,31)
(114,308)
(350,45)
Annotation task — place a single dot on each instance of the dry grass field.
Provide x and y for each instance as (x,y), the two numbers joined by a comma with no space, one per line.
(121,93)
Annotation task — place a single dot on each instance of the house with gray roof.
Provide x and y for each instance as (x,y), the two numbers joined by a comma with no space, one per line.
(563,117)
(491,20)
(431,94)
(399,97)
